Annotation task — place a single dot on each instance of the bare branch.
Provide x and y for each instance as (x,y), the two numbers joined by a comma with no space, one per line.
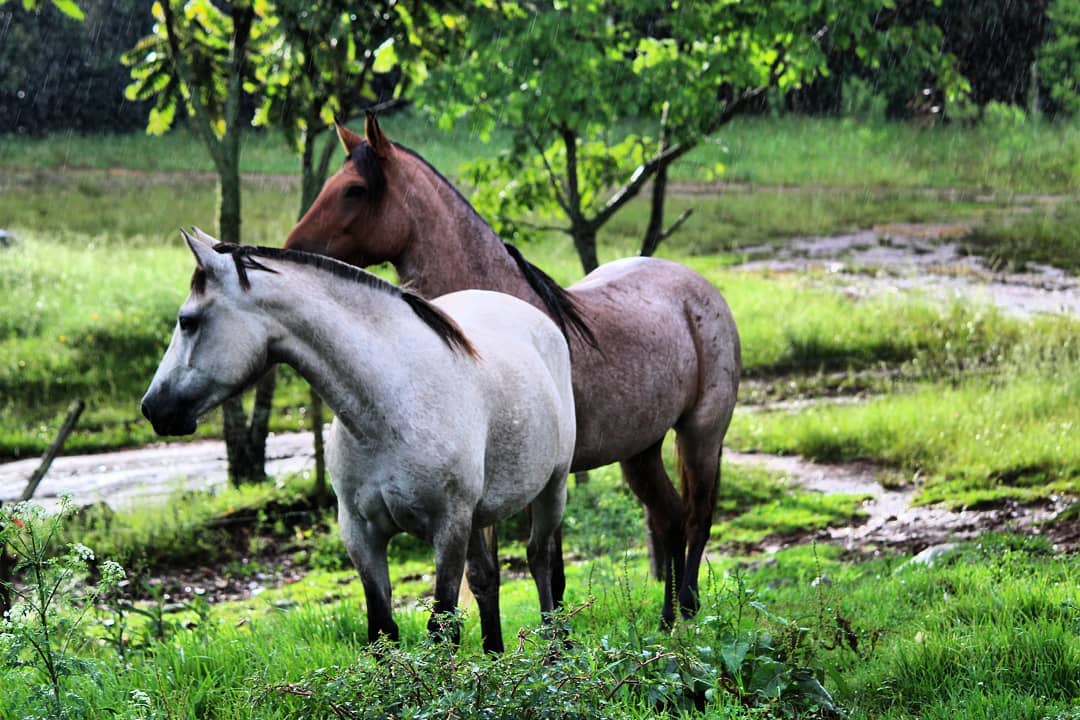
(677,224)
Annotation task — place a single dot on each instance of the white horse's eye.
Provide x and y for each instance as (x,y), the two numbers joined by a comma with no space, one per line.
(187,323)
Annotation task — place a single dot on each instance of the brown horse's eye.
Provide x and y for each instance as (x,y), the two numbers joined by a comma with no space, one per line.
(355,191)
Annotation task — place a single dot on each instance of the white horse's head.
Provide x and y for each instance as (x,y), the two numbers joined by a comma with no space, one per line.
(219,346)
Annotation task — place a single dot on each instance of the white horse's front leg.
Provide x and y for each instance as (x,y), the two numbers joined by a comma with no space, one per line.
(366,545)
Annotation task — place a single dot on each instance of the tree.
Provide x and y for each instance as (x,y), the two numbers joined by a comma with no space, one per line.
(201,55)
(600,98)
(1059,57)
(68,7)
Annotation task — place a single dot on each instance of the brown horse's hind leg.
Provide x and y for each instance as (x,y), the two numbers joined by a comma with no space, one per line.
(647,478)
(699,467)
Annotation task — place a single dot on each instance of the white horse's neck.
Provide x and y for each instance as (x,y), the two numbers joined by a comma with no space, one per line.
(361,348)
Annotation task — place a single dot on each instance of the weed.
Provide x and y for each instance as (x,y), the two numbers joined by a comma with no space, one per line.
(43,629)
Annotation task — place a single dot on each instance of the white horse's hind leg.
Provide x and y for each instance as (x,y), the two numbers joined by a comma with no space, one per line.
(547,511)
(451,546)
(482,572)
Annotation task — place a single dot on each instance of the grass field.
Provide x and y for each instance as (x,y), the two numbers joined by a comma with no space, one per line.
(989,631)
(971,406)
(1030,158)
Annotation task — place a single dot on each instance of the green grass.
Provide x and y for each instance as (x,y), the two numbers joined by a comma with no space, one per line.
(1035,157)
(76,321)
(89,317)
(977,442)
(989,631)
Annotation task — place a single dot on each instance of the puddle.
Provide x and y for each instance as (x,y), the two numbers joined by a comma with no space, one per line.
(919,257)
(127,477)
(891,520)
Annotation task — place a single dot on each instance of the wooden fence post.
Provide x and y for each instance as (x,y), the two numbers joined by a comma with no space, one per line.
(6,561)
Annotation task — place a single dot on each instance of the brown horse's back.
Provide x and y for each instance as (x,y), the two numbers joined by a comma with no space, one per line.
(669,355)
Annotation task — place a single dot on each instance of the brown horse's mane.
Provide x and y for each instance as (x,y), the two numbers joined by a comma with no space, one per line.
(561,306)
(244,257)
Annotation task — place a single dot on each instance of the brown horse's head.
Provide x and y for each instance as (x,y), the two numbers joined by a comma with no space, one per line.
(354,218)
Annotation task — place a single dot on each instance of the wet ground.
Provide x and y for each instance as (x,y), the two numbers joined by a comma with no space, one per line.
(923,258)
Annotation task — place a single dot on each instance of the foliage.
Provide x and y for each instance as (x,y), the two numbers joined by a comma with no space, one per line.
(565,80)
(67,7)
(198,54)
(65,75)
(43,629)
(1059,55)
(723,664)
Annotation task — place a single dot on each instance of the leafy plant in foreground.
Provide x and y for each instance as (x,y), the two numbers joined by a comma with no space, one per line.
(716,665)
(43,628)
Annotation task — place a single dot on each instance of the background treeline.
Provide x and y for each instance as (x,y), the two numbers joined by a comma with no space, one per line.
(60,74)
(57,73)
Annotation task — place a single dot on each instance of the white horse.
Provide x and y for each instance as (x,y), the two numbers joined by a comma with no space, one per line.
(451,414)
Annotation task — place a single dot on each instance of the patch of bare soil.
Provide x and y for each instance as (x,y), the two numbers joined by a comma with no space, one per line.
(919,257)
(893,523)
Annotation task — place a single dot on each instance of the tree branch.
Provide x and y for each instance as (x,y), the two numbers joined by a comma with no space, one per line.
(683,216)
(552,176)
(203,122)
(669,155)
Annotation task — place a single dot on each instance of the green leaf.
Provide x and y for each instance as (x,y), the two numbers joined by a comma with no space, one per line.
(161,119)
(733,655)
(69,8)
(385,57)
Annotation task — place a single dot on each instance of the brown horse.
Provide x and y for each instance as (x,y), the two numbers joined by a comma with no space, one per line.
(653,344)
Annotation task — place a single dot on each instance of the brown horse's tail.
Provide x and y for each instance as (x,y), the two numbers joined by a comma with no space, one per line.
(560,305)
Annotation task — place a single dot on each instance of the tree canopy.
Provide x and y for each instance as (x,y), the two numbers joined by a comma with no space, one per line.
(598,97)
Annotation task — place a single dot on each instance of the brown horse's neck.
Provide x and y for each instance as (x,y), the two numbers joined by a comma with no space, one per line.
(451,247)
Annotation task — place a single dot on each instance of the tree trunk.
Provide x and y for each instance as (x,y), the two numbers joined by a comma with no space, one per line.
(245,439)
(585,244)
(654,233)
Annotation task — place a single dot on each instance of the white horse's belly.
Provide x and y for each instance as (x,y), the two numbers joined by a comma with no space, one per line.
(402,489)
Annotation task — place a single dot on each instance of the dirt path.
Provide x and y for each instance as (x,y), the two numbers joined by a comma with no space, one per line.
(891,520)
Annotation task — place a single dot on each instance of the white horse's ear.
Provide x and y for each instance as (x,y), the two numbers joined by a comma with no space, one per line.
(204,237)
(206,257)
(346,137)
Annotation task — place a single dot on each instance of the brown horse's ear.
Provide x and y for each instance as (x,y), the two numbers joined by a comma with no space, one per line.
(379,142)
(347,137)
